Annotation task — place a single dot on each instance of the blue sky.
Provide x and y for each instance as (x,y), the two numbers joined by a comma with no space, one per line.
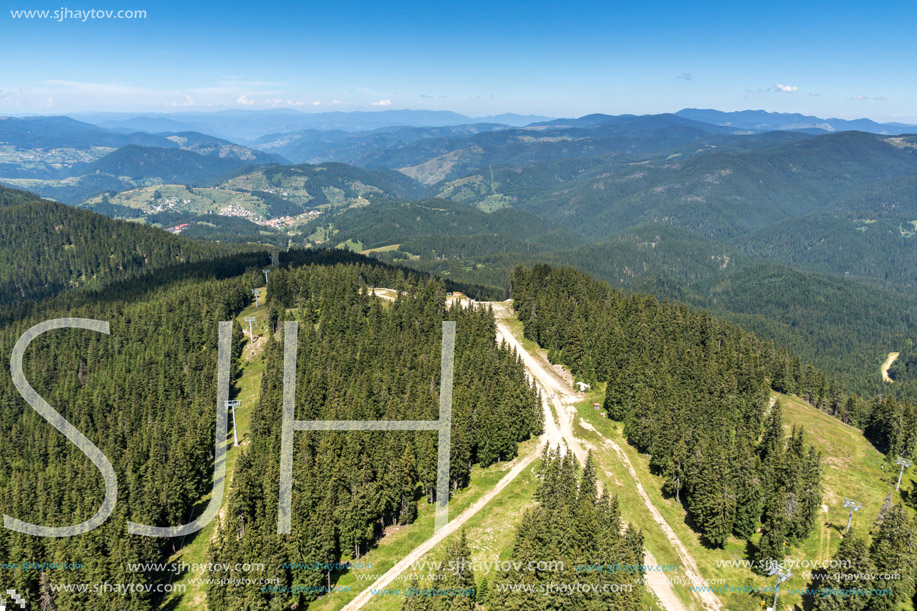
(849,59)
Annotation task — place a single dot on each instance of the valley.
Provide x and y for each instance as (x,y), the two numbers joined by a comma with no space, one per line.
(670,332)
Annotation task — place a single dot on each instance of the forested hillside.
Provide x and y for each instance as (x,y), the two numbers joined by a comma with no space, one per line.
(870,234)
(46,248)
(145,396)
(167,165)
(393,222)
(627,137)
(361,359)
(687,387)
(807,241)
(845,327)
(723,194)
(891,552)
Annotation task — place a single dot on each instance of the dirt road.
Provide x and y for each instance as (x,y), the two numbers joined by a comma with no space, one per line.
(551,435)
(455,524)
(689,566)
(557,393)
(564,398)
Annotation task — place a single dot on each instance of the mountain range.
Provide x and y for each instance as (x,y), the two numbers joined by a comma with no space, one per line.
(248,125)
(761,120)
(801,229)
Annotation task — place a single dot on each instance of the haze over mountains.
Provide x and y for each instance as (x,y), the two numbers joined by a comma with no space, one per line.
(766,121)
(248,125)
(702,206)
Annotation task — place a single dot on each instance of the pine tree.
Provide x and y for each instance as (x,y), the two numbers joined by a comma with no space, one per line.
(892,552)
(458,577)
(407,508)
(749,495)
(772,546)
(712,501)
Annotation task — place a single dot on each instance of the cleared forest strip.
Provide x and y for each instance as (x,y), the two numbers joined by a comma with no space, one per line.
(564,398)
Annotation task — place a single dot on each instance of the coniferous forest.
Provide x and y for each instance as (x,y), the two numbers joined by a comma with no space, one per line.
(890,554)
(145,395)
(575,525)
(359,358)
(693,393)
(369,307)
(46,248)
(579,525)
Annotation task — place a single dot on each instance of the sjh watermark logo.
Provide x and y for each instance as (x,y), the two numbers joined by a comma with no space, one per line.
(14,597)
(290,425)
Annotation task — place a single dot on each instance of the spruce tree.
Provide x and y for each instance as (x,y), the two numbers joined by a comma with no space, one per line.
(772,545)
(892,552)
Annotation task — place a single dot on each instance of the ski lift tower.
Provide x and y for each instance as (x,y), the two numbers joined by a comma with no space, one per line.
(232,405)
(905,464)
(266,271)
(853,506)
(251,334)
(782,575)
(273,259)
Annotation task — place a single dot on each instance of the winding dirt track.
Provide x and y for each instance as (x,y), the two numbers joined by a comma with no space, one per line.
(555,391)
(563,398)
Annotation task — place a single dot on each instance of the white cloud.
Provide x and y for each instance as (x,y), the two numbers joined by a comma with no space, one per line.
(295,102)
(316,103)
(684,76)
(335,102)
(858,97)
(880,98)
(244,101)
(48,103)
(274,102)
(815,94)
(787,88)
(382,103)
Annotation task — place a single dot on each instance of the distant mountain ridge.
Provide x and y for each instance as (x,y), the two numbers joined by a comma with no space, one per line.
(164,164)
(248,125)
(761,120)
(317,146)
(60,131)
(725,194)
